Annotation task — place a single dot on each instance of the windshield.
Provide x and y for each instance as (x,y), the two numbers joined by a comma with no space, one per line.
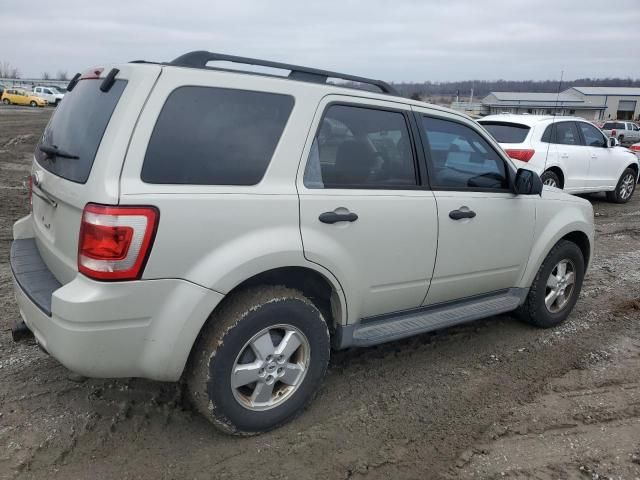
(77,127)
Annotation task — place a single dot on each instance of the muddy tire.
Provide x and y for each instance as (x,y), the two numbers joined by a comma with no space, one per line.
(259,361)
(625,187)
(6,101)
(550,178)
(556,288)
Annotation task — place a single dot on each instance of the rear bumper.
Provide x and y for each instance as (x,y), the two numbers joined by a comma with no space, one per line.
(120,329)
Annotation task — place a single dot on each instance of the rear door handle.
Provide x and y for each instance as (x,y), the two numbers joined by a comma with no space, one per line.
(333,217)
(460,214)
(564,155)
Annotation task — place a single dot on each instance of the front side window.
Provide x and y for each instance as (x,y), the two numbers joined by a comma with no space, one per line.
(358,147)
(460,158)
(215,136)
(592,136)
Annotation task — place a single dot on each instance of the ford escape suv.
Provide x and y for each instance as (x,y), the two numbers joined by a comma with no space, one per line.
(230,227)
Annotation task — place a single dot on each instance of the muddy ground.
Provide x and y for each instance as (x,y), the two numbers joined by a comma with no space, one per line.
(493,399)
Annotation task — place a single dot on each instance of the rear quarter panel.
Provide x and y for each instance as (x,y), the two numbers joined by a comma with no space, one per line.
(217,236)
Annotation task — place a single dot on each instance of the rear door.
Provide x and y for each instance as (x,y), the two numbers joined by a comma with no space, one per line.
(364,213)
(571,154)
(93,127)
(485,230)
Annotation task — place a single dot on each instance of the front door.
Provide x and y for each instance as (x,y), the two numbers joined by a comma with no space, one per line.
(485,231)
(364,213)
(602,166)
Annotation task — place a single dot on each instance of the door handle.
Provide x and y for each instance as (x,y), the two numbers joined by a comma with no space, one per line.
(564,155)
(593,155)
(333,217)
(460,214)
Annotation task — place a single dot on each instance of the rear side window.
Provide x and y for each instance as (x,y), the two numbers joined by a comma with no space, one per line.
(77,127)
(506,132)
(563,133)
(361,147)
(215,136)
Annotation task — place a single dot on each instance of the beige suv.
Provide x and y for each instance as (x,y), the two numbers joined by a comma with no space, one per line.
(229,227)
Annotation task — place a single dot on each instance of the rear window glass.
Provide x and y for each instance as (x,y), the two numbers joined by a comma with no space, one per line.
(77,127)
(506,132)
(215,136)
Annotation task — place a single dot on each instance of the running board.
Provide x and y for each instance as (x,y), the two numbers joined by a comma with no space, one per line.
(386,328)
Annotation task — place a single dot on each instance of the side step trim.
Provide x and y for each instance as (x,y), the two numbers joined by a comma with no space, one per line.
(386,328)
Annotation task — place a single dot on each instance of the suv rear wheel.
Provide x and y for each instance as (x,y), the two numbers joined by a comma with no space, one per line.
(555,289)
(550,178)
(625,187)
(259,361)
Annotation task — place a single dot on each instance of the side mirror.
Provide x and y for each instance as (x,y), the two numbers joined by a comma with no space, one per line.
(527,182)
(612,142)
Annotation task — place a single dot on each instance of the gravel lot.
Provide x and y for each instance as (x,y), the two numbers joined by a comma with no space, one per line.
(492,399)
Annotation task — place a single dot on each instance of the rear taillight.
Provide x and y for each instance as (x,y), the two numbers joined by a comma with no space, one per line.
(115,242)
(92,73)
(635,148)
(524,155)
(613,133)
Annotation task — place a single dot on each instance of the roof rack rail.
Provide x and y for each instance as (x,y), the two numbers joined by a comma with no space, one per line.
(200,58)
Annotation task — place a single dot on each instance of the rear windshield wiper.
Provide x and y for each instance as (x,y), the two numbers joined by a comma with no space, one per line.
(53,151)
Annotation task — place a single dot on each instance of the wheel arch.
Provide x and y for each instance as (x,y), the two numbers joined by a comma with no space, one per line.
(579,232)
(582,241)
(325,293)
(558,171)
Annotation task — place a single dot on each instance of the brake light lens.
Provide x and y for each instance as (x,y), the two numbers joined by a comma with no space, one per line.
(635,147)
(92,73)
(524,155)
(115,242)
(613,132)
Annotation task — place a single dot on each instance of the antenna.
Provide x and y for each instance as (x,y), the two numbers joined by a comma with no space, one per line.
(553,120)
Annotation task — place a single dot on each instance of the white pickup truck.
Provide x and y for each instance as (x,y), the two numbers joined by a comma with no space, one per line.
(50,94)
(626,132)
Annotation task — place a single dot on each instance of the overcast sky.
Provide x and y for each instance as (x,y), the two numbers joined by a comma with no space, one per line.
(401,40)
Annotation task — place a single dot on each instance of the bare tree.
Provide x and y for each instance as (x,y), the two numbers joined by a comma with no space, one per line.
(62,75)
(46,76)
(14,73)
(5,69)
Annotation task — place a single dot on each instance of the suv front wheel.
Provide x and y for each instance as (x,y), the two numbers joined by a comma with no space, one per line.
(556,288)
(625,187)
(259,360)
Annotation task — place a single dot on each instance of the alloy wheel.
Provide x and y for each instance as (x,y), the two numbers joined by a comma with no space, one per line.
(560,285)
(270,367)
(626,186)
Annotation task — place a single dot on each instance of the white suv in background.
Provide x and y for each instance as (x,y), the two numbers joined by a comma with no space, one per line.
(50,94)
(568,153)
(228,227)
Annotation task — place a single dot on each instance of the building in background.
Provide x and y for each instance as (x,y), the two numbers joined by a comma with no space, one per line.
(622,103)
(590,103)
(535,103)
